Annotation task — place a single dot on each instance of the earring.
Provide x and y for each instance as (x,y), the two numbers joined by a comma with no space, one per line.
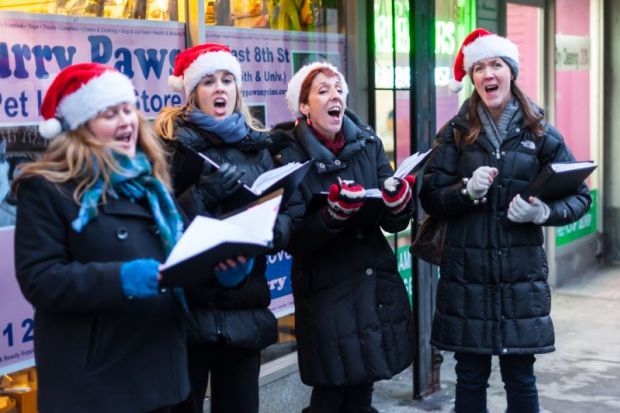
(308,121)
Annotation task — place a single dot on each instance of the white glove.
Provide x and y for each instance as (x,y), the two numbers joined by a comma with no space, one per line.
(535,211)
(481,181)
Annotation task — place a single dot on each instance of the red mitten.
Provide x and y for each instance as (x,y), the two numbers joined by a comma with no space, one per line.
(397,193)
(344,199)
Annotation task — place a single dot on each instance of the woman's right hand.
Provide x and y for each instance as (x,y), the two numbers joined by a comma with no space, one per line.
(220,184)
(343,200)
(481,181)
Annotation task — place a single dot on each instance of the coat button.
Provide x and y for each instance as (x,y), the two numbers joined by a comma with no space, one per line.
(122,233)
(503,153)
(279,155)
(369,271)
(518,130)
(504,350)
(321,165)
(337,162)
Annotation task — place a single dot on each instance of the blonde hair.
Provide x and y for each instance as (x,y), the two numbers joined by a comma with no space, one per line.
(164,123)
(79,155)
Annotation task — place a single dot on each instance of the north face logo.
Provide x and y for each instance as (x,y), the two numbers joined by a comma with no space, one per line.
(529,144)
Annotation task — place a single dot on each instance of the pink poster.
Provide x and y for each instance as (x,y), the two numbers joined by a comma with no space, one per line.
(573,74)
(33,48)
(16,324)
(268,60)
(524,29)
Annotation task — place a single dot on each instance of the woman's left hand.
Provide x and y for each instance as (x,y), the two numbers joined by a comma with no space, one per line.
(397,193)
(231,272)
(521,211)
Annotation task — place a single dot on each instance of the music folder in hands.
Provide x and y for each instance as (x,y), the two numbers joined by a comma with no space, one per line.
(208,241)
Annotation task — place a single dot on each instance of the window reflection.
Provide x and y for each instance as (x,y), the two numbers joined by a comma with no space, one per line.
(164,10)
(294,15)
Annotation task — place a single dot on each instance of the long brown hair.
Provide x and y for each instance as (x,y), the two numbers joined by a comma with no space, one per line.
(79,155)
(532,120)
(164,123)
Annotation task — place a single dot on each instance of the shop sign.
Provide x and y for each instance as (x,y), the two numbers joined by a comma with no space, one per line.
(16,314)
(269,58)
(572,52)
(34,48)
(585,226)
(279,280)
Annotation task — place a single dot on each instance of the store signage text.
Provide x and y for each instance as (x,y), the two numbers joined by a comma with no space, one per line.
(102,50)
(33,52)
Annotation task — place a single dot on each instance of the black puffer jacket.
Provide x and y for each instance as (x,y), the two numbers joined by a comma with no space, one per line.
(493,296)
(239,316)
(351,307)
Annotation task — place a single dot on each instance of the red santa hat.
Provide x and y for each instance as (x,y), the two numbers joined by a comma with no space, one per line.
(294,85)
(483,44)
(192,64)
(78,93)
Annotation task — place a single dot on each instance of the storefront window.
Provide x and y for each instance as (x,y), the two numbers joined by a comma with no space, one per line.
(290,15)
(524,26)
(163,10)
(454,19)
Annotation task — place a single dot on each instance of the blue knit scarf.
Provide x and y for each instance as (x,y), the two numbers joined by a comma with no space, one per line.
(231,129)
(135,181)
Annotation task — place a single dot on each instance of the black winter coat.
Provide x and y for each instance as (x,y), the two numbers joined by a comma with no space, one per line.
(236,316)
(95,349)
(352,312)
(493,296)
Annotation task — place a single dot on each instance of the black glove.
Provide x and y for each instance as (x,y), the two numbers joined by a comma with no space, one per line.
(219,185)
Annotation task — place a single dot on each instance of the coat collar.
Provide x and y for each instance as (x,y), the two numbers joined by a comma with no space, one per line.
(324,160)
(123,206)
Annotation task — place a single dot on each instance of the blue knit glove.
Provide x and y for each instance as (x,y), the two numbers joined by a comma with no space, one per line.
(139,278)
(231,277)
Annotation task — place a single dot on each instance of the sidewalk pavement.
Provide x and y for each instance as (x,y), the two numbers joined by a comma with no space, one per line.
(582,375)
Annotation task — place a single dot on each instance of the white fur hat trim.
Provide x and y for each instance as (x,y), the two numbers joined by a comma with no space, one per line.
(109,89)
(294,85)
(209,63)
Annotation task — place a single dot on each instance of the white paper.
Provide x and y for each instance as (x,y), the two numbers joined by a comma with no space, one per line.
(409,163)
(266,179)
(252,226)
(572,166)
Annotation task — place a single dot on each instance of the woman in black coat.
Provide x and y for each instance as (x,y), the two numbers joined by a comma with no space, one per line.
(234,320)
(94,221)
(493,297)
(352,313)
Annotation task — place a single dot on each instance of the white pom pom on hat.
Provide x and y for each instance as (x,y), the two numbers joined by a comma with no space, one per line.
(294,85)
(78,93)
(478,45)
(192,64)
(50,128)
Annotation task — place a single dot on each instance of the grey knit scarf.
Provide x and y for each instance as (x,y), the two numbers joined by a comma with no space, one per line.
(497,131)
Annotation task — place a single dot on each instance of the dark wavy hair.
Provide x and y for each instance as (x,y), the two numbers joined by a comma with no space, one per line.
(533,120)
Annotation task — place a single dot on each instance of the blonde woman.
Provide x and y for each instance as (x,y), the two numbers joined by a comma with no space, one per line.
(94,221)
(231,310)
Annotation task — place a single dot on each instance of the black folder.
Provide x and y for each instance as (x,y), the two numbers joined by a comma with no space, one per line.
(558,180)
(209,241)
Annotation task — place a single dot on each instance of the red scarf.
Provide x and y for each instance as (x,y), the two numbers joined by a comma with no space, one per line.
(334,145)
